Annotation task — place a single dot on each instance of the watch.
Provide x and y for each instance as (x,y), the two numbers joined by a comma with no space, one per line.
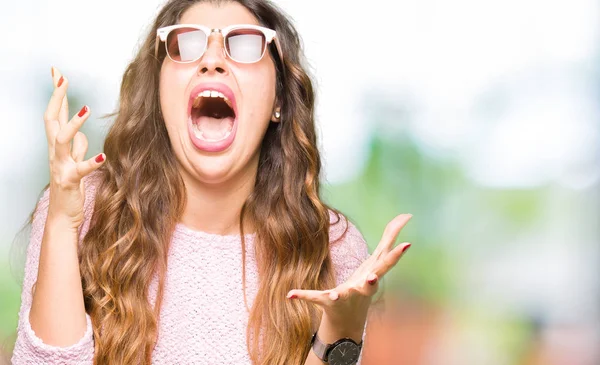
(342,352)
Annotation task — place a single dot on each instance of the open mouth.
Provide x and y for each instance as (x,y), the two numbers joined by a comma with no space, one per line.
(212,116)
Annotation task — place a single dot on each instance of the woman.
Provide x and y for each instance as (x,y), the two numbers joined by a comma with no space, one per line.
(199,237)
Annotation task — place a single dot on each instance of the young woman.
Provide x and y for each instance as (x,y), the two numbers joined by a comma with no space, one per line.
(199,236)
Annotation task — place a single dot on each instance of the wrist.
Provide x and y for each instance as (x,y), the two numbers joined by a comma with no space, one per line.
(57,222)
(331,330)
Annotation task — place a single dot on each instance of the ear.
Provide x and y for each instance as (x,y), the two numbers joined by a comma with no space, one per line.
(276,115)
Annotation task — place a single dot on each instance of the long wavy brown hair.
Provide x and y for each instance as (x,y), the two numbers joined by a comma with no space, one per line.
(141,197)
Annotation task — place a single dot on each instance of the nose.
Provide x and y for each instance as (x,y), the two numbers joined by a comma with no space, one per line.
(214,59)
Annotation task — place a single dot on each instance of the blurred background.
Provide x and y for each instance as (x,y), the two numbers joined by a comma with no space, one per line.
(481,118)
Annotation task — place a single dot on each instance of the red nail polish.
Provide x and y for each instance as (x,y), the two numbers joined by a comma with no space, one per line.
(60,81)
(373,281)
(82,111)
(293,296)
(100,158)
(406,248)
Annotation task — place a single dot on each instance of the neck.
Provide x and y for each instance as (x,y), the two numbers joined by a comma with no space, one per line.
(216,208)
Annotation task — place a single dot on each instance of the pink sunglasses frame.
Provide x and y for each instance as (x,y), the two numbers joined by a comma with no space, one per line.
(269,34)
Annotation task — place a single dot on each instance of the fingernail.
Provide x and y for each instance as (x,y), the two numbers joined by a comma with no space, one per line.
(406,248)
(372,278)
(60,81)
(100,158)
(82,111)
(293,296)
(52,71)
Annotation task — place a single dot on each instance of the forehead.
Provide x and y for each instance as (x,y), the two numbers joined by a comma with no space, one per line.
(218,15)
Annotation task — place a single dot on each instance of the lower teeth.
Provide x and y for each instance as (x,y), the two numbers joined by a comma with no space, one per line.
(200,135)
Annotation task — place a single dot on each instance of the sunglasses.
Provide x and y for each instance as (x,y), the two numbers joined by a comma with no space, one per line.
(243,43)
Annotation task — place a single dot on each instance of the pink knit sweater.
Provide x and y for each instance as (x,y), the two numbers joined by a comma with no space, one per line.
(203,317)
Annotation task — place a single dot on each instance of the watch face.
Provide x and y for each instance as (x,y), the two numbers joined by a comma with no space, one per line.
(344,353)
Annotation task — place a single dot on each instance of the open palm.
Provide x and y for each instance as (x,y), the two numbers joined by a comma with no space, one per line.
(343,302)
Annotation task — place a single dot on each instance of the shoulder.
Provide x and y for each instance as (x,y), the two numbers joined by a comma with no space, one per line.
(348,247)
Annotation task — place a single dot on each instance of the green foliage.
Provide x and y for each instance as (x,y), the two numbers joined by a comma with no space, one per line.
(399,179)
(10,293)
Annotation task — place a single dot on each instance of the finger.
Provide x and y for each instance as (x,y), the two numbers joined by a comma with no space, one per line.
(68,131)
(80,146)
(63,113)
(369,286)
(320,297)
(390,234)
(372,279)
(56,74)
(365,285)
(390,260)
(53,108)
(84,168)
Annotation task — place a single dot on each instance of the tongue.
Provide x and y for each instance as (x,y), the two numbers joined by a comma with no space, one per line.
(214,128)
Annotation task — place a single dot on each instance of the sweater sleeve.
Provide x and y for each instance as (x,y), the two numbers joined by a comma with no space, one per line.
(348,251)
(348,247)
(29,348)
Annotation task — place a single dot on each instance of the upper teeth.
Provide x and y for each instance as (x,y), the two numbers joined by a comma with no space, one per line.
(211,94)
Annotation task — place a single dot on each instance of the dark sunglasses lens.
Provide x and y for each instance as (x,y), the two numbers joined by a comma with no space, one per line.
(186,44)
(245,45)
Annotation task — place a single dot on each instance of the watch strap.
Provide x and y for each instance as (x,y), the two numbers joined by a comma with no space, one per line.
(321,349)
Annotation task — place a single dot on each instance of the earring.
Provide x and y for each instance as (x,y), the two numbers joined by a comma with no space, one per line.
(277,115)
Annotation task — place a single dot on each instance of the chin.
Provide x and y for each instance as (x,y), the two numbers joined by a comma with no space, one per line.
(212,169)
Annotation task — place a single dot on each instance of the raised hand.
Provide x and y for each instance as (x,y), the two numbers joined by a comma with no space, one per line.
(348,303)
(67,147)
(57,314)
